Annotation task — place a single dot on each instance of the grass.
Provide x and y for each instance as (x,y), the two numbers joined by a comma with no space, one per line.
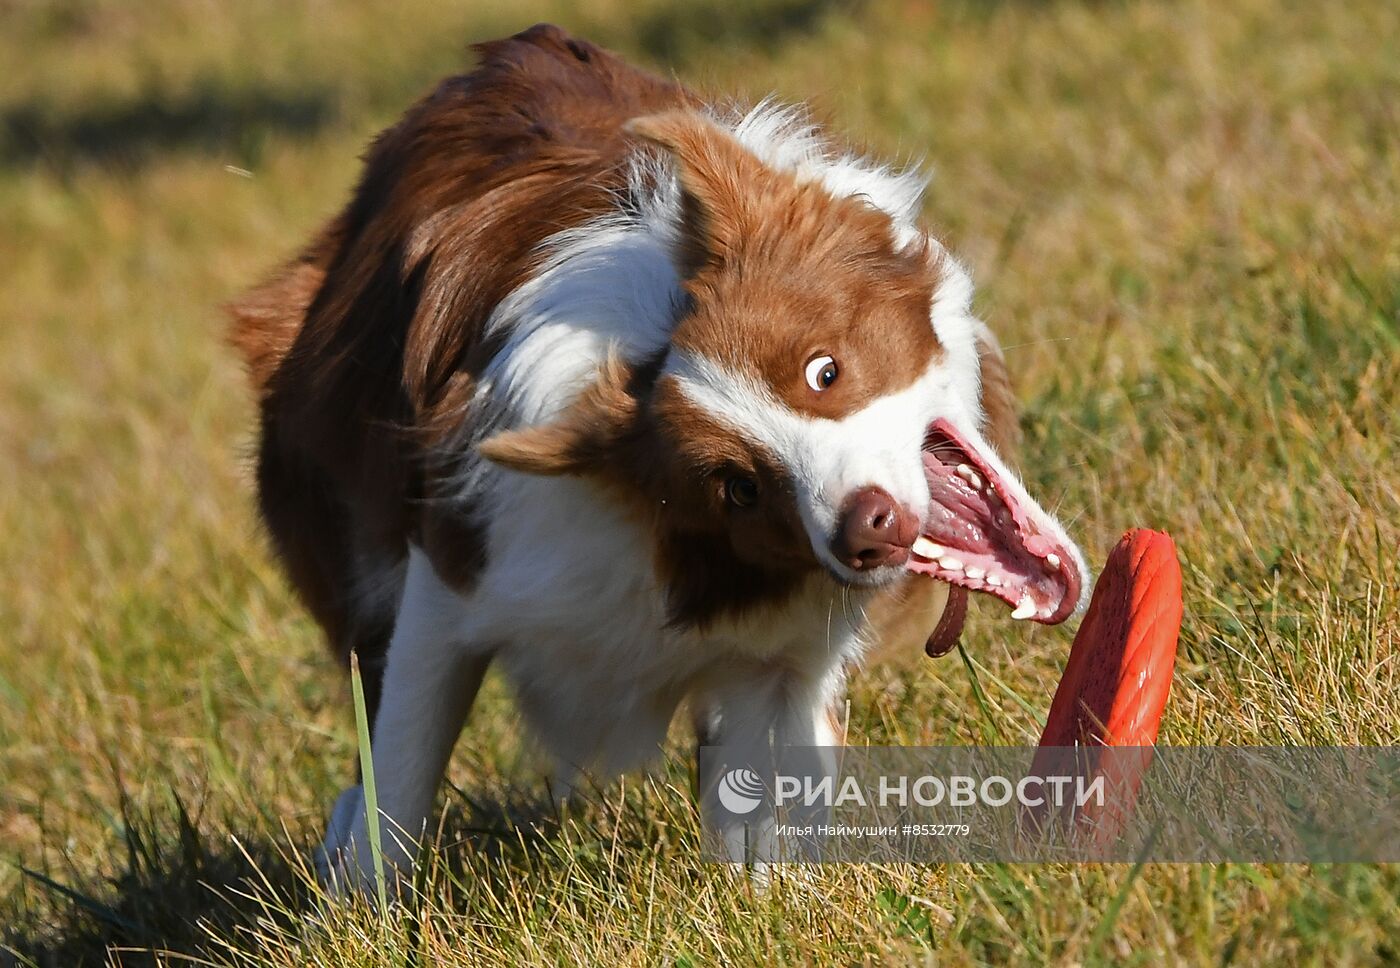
(1183,219)
(362,728)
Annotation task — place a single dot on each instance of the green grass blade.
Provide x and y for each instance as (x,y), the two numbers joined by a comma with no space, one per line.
(990,730)
(367,778)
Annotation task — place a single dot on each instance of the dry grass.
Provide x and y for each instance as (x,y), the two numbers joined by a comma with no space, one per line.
(1183,217)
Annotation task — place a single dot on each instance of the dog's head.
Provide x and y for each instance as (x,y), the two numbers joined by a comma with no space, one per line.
(817,408)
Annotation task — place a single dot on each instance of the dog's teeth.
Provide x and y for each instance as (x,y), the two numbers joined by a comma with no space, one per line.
(1053,560)
(995,580)
(1046,612)
(972,571)
(925,548)
(950,563)
(1025,609)
(970,475)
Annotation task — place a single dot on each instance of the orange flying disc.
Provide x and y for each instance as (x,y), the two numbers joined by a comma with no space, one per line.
(1120,667)
(1115,684)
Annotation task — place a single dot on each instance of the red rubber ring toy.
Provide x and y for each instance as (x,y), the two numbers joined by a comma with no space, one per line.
(1115,685)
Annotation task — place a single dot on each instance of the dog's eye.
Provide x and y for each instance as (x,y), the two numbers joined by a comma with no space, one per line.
(821,373)
(742,492)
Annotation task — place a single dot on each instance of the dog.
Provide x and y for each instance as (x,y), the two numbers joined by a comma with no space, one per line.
(644,400)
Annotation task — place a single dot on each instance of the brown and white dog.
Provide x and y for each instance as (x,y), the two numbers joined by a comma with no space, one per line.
(644,401)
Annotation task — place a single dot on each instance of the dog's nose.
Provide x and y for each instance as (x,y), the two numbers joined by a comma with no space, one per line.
(873,531)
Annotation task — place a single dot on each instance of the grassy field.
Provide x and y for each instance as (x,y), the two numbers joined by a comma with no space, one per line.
(1185,222)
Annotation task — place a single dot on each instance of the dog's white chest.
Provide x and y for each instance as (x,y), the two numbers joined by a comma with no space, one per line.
(575,615)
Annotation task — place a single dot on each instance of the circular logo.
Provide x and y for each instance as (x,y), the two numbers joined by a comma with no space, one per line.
(741,791)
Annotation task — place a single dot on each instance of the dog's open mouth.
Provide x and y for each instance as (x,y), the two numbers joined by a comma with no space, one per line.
(980,535)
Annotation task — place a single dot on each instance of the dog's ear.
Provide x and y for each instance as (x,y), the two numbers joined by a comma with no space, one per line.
(586,437)
(1000,424)
(712,168)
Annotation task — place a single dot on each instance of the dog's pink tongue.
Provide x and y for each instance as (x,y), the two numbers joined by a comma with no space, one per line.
(950,626)
(984,534)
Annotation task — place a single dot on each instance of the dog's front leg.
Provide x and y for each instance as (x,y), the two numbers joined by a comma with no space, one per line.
(429,685)
(755,722)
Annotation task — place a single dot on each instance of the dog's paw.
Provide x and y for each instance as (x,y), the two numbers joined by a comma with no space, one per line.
(337,862)
(345,862)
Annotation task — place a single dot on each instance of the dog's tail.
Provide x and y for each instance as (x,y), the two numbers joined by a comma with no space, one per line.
(264,322)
